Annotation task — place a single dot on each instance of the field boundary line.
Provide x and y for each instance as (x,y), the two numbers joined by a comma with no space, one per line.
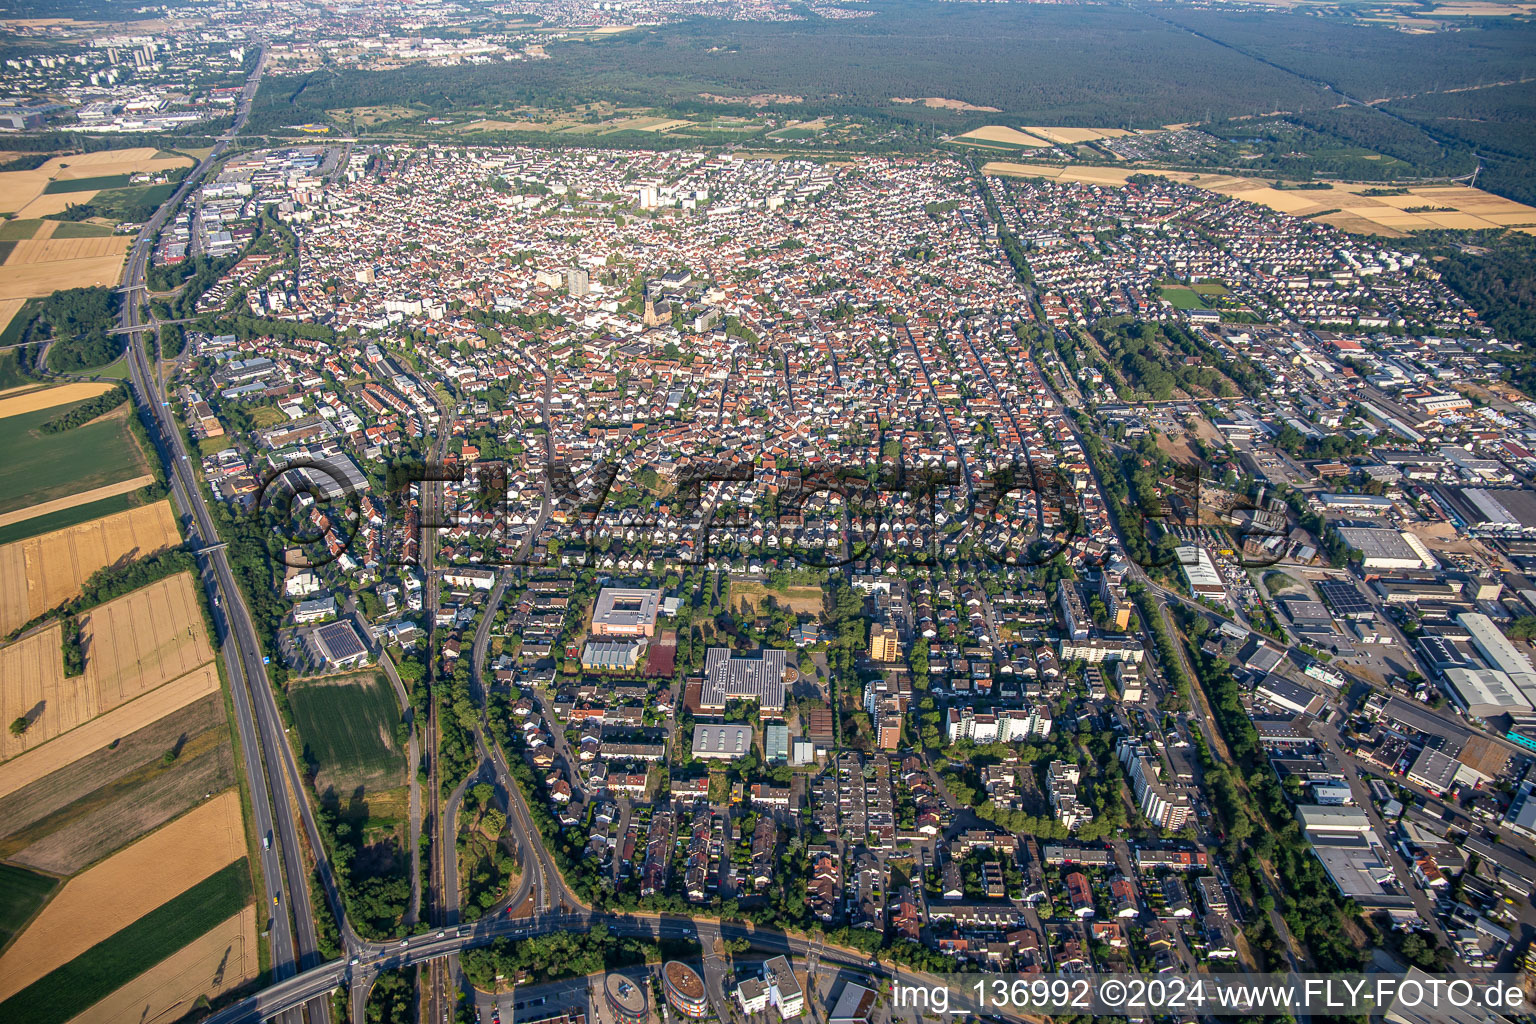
(21,515)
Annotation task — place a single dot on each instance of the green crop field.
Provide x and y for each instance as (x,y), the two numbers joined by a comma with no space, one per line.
(40,467)
(22,892)
(66,991)
(51,521)
(16,230)
(87,184)
(348,729)
(80,229)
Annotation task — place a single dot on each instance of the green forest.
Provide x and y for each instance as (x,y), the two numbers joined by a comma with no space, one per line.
(1106,66)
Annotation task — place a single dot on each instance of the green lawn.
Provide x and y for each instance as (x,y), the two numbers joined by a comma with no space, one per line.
(117,368)
(348,729)
(67,517)
(1182,298)
(88,184)
(40,467)
(1209,288)
(22,892)
(16,230)
(68,990)
(80,229)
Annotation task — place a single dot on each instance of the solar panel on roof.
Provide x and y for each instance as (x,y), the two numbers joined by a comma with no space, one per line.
(1343,597)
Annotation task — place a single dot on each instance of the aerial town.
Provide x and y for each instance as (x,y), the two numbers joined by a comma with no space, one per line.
(773,631)
(559,584)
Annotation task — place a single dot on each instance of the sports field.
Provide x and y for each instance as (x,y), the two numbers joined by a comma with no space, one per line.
(43,572)
(42,467)
(347,727)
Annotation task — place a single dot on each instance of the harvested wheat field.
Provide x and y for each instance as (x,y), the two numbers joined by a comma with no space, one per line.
(219,962)
(1072,136)
(999,133)
(143,639)
(31,686)
(47,398)
(44,508)
(132,645)
(59,250)
(102,900)
(43,572)
(138,160)
(102,730)
(1438,206)
(8,310)
(24,189)
(38,280)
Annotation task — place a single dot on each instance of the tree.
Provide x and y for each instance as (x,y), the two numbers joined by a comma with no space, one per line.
(19,725)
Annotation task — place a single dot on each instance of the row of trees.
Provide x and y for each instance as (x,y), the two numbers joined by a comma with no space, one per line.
(116,580)
(79,415)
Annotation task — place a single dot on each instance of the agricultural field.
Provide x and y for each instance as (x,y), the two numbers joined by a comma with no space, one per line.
(39,398)
(348,726)
(1072,136)
(16,230)
(132,645)
(22,894)
(220,961)
(151,777)
(140,949)
(66,249)
(26,193)
(78,229)
(105,732)
(1452,206)
(108,897)
(97,503)
(43,572)
(1003,136)
(41,468)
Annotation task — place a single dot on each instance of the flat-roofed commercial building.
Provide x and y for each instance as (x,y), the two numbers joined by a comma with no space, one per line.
(743,675)
(721,742)
(1204,579)
(1485,692)
(784,991)
(626,999)
(1381,548)
(611,656)
(623,611)
(853,1006)
(684,989)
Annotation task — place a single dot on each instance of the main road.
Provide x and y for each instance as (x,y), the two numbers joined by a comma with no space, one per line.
(269,765)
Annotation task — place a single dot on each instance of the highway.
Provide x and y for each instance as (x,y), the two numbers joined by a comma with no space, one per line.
(269,766)
(439,945)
